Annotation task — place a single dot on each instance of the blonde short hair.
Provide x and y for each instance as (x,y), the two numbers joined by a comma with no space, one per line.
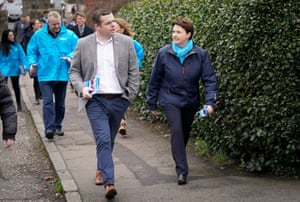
(54,14)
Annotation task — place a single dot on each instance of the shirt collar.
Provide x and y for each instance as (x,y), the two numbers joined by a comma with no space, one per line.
(103,43)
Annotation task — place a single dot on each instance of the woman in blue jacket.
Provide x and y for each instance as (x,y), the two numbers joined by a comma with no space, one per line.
(12,61)
(123,27)
(174,81)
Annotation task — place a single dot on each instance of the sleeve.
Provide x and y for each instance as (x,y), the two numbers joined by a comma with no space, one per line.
(32,50)
(23,58)
(154,83)
(133,73)
(74,40)
(7,111)
(139,52)
(209,81)
(75,70)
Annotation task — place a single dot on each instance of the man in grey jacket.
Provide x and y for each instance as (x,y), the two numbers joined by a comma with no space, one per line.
(105,74)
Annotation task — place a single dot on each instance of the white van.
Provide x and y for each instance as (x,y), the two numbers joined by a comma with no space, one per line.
(14,9)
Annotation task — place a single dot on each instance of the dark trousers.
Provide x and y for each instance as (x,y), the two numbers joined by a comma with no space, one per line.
(54,94)
(105,116)
(36,88)
(16,87)
(180,121)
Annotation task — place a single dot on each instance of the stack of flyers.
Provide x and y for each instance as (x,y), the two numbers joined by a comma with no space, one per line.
(94,84)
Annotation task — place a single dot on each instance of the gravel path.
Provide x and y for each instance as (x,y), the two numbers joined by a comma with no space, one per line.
(26,173)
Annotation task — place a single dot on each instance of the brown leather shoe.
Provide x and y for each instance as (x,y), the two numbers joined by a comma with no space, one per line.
(99,180)
(110,191)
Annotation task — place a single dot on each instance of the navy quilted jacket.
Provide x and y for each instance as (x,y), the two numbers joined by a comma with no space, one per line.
(173,83)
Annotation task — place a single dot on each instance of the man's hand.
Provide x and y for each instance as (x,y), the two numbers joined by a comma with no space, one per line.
(66,59)
(154,113)
(87,92)
(32,69)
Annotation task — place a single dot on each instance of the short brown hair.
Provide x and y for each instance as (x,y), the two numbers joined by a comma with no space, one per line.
(81,14)
(186,24)
(98,13)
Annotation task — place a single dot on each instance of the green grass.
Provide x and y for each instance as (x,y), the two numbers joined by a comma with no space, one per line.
(58,186)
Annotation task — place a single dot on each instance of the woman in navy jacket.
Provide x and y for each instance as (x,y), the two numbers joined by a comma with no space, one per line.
(174,81)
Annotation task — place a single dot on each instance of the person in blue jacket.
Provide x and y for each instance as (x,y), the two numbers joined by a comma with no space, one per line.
(174,81)
(34,25)
(49,53)
(123,27)
(13,62)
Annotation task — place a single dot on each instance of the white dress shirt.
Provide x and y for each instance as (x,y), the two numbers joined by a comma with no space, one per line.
(106,68)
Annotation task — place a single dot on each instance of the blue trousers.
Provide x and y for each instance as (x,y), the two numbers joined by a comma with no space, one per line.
(54,94)
(180,122)
(105,116)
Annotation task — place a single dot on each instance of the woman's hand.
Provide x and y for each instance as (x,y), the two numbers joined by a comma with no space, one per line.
(210,109)
(87,92)
(154,113)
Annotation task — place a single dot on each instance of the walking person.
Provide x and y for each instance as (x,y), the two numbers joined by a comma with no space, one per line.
(110,58)
(19,28)
(80,28)
(123,27)
(34,25)
(49,52)
(12,62)
(8,114)
(174,81)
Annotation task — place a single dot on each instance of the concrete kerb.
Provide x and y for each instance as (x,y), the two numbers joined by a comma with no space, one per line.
(68,183)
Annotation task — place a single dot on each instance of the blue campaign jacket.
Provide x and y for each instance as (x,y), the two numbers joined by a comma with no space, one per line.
(46,51)
(177,84)
(139,52)
(10,65)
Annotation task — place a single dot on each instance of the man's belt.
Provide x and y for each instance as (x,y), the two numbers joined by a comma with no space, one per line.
(110,96)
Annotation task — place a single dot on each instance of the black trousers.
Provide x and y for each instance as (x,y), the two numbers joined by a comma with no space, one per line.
(16,87)
(36,88)
(180,122)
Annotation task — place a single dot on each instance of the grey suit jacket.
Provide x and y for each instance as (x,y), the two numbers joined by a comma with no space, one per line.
(84,65)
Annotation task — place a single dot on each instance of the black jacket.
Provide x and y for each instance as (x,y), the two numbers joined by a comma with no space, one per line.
(7,111)
(87,30)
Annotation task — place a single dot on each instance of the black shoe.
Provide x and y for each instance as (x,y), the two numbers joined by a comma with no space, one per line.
(50,135)
(59,133)
(181,179)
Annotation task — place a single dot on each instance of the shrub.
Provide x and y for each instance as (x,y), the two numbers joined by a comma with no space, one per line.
(254,46)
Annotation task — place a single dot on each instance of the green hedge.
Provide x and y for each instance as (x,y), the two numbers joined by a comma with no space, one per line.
(254,46)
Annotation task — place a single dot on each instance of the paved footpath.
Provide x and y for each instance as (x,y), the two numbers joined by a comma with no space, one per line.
(144,166)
